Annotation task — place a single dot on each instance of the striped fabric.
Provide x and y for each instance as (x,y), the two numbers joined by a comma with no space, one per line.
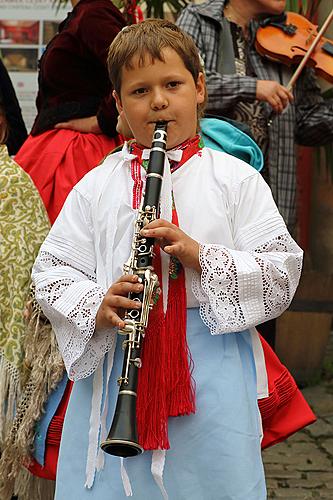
(308,121)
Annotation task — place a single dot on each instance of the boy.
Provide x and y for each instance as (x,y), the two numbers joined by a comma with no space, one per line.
(241,267)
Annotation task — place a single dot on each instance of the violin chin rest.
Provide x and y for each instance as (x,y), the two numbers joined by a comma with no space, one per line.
(328,48)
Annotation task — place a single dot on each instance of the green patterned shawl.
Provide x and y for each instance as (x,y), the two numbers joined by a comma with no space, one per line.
(23,227)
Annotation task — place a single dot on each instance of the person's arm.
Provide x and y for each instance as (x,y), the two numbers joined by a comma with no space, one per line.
(64,275)
(314,115)
(243,287)
(239,288)
(17,132)
(225,91)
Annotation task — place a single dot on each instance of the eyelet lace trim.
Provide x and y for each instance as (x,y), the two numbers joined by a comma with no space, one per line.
(279,287)
(238,290)
(71,305)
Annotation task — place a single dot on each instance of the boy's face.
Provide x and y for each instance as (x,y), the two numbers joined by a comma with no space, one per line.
(160,91)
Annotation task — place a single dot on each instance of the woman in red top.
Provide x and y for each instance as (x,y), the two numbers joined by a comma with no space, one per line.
(76,122)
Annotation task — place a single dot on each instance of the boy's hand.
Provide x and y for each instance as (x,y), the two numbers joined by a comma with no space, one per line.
(116,301)
(87,125)
(174,242)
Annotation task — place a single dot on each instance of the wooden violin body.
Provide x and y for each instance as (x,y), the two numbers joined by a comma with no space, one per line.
(289,42)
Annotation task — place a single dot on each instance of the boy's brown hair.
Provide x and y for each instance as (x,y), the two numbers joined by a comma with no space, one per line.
(150,37)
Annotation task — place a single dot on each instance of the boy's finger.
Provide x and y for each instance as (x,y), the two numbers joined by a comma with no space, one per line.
(114,319)
(124,288)
(168,233)
(119,302)
(130,278)
(169,249)
(159,223)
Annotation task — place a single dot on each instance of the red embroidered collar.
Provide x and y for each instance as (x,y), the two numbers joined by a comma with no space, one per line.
(189,148)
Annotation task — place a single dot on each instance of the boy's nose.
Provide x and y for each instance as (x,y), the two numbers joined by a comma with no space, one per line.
(159,100)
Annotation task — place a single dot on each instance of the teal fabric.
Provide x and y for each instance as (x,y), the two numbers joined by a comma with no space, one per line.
(223,136)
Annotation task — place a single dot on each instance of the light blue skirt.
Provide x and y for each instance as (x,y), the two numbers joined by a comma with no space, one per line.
(215,454)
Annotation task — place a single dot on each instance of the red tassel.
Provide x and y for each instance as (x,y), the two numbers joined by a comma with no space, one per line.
(165,384)
(181,392)
(152,414)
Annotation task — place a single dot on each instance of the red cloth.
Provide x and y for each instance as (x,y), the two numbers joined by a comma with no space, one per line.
(56,160)
(165,384)
(285,411)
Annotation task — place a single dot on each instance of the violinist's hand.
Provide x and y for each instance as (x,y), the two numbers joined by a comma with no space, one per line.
(275,94)
(84,125)
(116,301)
(174,242)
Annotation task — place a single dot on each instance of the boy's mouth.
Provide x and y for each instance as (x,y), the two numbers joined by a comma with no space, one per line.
(161,121)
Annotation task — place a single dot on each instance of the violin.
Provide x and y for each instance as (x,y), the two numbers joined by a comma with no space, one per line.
(292,39)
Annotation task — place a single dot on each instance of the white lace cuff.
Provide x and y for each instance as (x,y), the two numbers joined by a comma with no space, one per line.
(240,289)
(70,300)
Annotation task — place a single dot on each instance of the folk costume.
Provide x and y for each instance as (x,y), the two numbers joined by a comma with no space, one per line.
(250,270)
(232,68)
(57,159)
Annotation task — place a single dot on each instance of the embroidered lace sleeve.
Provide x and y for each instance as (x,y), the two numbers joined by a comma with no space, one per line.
(255,280)
(66,289)
(238,290)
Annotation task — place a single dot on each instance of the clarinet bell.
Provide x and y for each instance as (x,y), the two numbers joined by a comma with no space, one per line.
(122,440)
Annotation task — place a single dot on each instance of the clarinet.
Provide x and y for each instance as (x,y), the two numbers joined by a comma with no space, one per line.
(122,439)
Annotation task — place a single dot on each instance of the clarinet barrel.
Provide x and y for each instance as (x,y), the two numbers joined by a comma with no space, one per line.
(122,439)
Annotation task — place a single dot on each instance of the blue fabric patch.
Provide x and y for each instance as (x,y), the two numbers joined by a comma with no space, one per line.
(223,136)
(43,424)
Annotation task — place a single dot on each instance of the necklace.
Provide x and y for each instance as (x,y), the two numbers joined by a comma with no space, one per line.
(235,17)
(228,12)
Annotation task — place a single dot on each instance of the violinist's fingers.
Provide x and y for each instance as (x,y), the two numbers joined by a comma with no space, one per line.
(276,104)
(285,96)
(274,93)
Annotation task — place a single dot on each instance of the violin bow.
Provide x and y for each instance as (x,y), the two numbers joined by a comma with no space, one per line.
(312,47)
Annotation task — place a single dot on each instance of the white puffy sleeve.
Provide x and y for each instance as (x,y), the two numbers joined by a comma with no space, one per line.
(255,281)
(64,275)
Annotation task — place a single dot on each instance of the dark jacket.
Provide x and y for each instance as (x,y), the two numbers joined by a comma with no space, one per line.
(73,76)
(17,133)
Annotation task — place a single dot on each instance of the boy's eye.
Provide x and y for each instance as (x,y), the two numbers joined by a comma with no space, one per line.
(174,84)
(139,91)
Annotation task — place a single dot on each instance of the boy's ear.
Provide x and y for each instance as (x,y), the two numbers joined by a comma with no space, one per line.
(118,101)
(201,88)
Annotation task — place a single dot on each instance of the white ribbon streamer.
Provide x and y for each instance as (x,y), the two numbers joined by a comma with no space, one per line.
(94,425)
(157,468)
(125,479)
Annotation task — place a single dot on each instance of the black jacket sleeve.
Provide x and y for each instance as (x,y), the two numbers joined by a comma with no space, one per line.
(17,132)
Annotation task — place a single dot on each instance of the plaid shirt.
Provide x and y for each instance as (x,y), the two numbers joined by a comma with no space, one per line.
(308,120)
